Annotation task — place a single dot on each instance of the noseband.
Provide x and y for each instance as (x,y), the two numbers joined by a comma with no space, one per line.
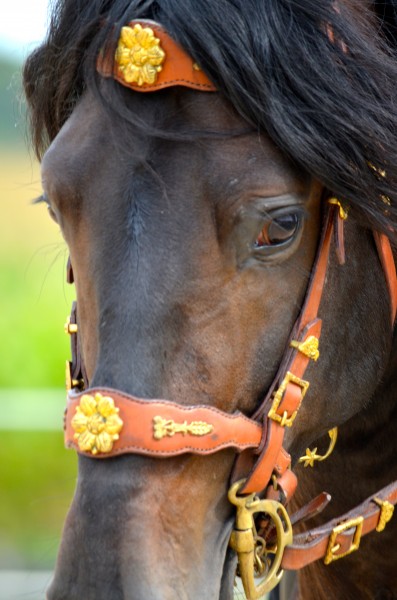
(102,422)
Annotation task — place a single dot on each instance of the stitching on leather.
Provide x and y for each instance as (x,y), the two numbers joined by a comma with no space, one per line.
(181,450)
(167,403)
(167,83)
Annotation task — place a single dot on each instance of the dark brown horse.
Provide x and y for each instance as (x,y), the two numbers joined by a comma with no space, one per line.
(193,219)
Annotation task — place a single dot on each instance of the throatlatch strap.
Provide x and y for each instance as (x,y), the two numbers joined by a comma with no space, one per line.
(389,268)
(342,536)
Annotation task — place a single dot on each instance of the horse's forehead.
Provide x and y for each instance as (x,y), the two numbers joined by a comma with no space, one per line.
(93,136)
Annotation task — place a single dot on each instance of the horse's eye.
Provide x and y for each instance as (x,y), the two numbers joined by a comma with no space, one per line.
(279,230)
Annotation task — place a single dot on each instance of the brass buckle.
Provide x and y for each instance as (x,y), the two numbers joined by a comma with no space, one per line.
(285,420)
(254,558)
(332,548)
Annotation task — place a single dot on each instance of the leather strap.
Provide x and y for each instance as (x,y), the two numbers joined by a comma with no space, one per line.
(289,382)
(178,67)
(180,429)
(389,267)
(76,376)
(327,541)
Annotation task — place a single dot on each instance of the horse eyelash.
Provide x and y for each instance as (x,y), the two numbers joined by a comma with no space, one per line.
(40,199)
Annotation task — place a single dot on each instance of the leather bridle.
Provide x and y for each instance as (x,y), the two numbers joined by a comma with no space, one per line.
(102,422)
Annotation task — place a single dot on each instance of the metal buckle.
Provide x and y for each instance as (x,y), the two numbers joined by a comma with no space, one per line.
(332,548)
(285,420)
(254,557)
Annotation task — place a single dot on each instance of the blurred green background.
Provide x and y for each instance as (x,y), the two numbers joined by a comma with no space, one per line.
(37,475)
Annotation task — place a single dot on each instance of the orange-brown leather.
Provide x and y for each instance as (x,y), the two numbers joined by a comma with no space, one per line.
(389,267)
(178,67)
(308,324)
(312,545)
(137,435)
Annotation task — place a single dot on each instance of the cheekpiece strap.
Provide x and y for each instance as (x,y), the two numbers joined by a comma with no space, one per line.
(280,407)
(147,59)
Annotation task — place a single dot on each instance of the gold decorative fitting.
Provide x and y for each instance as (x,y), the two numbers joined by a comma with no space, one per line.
(386,513)
(284,420)
(69,381)
(69,327)
(167,427)
(343,213)
(377,170)
(311,455)
(196,67)
(333,547)
(96,423)
(255,558)
(139,55)
(309,347)
(385,199)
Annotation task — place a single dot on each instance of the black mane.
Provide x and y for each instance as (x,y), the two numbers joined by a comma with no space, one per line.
(332,111)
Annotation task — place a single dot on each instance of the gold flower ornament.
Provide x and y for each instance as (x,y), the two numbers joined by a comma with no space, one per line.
(96,423)
(139,55)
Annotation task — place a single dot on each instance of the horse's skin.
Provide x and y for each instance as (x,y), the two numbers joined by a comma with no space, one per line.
(176,301)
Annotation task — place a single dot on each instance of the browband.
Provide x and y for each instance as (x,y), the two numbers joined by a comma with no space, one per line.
(147,59)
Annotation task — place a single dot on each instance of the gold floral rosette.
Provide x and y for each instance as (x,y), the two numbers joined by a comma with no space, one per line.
(96,423)
(139,55)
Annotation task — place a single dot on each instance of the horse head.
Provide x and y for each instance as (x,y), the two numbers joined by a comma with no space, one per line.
(193,228)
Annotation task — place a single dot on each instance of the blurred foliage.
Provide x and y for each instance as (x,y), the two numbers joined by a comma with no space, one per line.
(12,108)
(34,296)
(38,476)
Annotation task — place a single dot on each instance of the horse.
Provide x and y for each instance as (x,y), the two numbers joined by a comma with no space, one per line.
(224,175)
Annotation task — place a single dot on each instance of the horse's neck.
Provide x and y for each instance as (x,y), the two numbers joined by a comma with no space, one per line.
(363,462)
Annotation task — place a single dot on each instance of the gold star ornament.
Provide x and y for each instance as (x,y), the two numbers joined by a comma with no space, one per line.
(96,423)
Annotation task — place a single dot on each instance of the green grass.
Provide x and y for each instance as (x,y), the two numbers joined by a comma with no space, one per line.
(34,298)
(38,475)
(35,308)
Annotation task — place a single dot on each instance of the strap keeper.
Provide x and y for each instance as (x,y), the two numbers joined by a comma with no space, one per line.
(386,513)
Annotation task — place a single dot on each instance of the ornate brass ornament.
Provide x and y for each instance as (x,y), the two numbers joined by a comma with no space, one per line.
(255,559)
(139,55)
(167,427)
(69,327)
(309,347)
(284,420)
(333,547)
(96,423)
(342,211)
(386,513)
(311,456)
(380,174)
